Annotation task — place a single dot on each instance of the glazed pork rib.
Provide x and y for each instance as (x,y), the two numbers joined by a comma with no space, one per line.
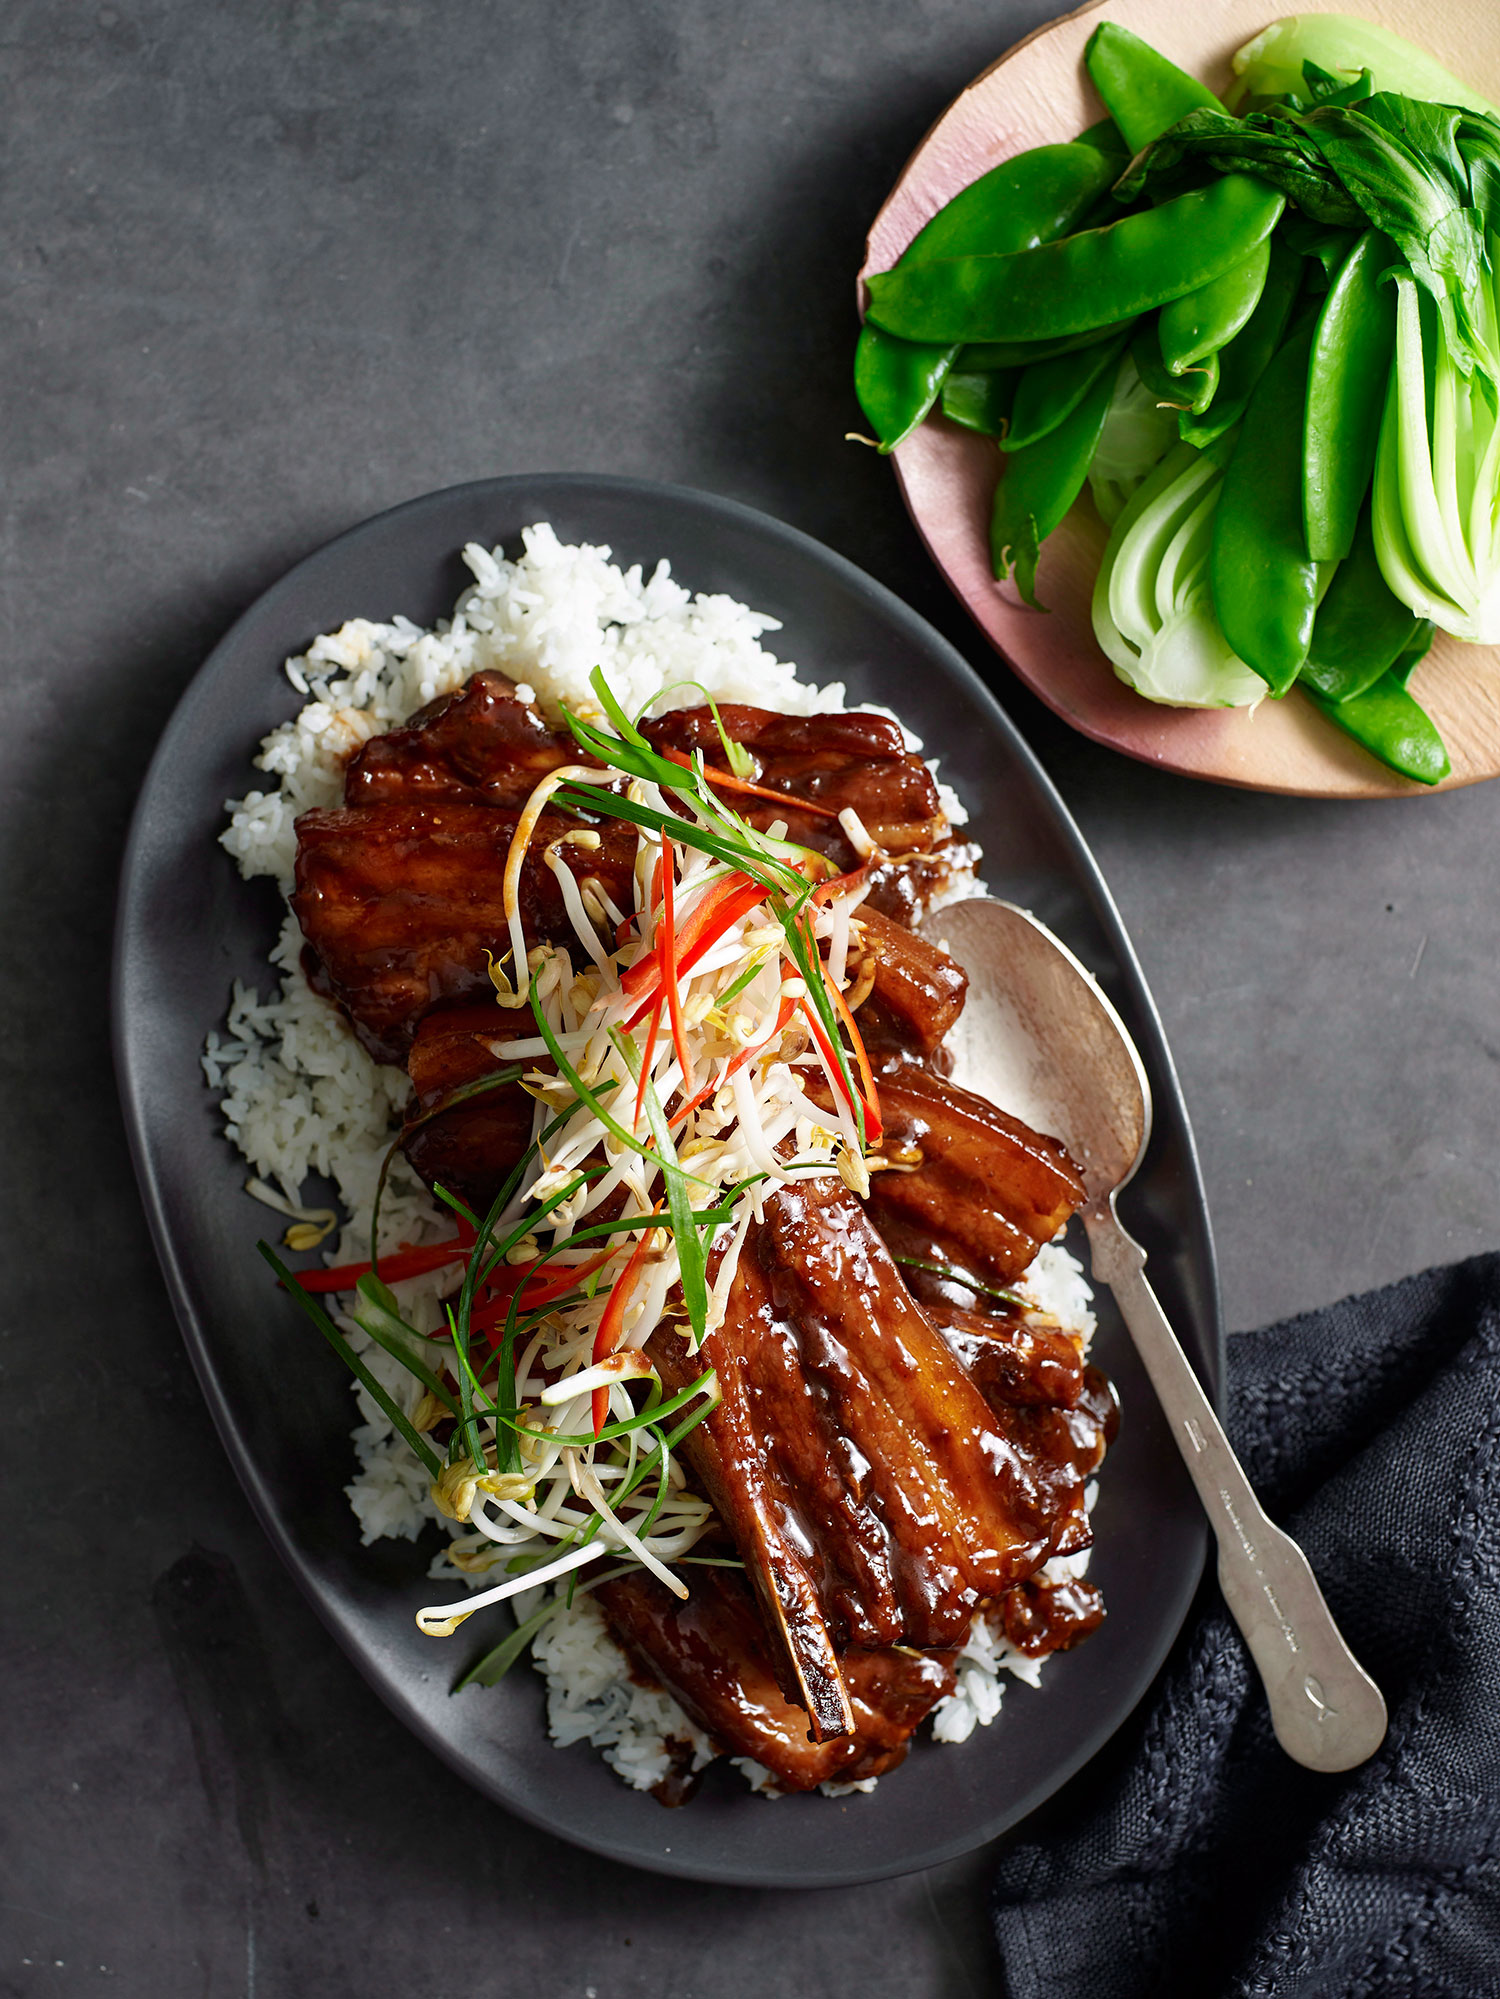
(988,1191)
(711,1653)
(873,1493)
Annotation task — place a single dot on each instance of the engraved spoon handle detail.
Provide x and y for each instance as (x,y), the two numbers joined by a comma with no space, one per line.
(1326,1710)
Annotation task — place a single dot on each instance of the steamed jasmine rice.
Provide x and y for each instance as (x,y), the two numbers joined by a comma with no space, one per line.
(304,1103)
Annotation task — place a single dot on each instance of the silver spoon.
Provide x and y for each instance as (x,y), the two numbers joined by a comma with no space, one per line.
(1038,1038)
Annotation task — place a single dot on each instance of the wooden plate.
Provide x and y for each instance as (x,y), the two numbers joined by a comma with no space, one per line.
(1036,94)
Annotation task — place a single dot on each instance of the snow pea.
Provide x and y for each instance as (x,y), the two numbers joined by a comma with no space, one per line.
(1346,387)
(1189,394)
(1106,138)
(1415,653)
(1023,202)
(897,382)
(1048,392)
(1128,267)
(1361,629)
(980,402)
(979,355)
(1265,583)
(1038,485)
(1200,323)
(1143,92)
(1243,361)
(1392,726)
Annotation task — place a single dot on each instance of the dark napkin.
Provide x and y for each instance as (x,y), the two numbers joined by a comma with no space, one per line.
(1209,1863)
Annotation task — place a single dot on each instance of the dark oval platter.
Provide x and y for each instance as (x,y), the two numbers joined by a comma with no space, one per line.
(188,925)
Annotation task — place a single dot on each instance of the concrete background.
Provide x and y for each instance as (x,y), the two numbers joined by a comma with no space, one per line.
(269,269)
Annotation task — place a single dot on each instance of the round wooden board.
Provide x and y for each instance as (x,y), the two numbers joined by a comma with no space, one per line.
(1036,94)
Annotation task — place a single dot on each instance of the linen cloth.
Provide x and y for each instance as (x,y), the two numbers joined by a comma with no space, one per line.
(1206,1862)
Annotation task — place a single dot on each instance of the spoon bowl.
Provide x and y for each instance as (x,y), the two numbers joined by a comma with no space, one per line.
(1039,1039)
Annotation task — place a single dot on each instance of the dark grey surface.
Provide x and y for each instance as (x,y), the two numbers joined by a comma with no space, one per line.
(270,269)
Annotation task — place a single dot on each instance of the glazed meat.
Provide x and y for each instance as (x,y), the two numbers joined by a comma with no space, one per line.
(711,1654)
(874,1495)
(465,1139)
(832,762)
(401,903)
(988,1192)
(401,892)
(481,746)
(1010,1357)
(1042,1617)
(917,992)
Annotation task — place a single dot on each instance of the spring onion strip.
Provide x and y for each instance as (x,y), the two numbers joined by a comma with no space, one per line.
(707,1385)
(958,1277)
(377,1394)
(378,1316)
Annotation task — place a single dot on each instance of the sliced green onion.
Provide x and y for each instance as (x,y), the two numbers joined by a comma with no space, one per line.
(352,1361)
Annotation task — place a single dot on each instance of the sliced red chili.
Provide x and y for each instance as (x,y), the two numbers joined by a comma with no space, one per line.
(612,1325)
(669,971)
(393,1268)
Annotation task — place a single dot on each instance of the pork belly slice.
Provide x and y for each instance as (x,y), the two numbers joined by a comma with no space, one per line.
(481,745)
(711,1653)
(472,1145)
(873,1495)
(400,903)
(844,761)
(918,991)
(989,1190)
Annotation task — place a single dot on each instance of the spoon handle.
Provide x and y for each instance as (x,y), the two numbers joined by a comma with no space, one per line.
(1326,1710)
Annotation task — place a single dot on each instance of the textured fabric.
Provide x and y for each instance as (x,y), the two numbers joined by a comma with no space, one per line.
(1209,1863)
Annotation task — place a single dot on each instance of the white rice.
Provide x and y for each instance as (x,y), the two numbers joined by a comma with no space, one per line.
(301,1098)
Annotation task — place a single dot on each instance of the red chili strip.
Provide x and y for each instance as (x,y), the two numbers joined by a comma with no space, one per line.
(669,974)
(647,1059)
(535,1291)
(840,885)
(873,1122)
(643,976)
(612,1325)
(730,909)
(402,1263)
(871,1110)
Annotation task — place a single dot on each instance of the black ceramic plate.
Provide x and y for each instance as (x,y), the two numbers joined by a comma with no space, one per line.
(188,925)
